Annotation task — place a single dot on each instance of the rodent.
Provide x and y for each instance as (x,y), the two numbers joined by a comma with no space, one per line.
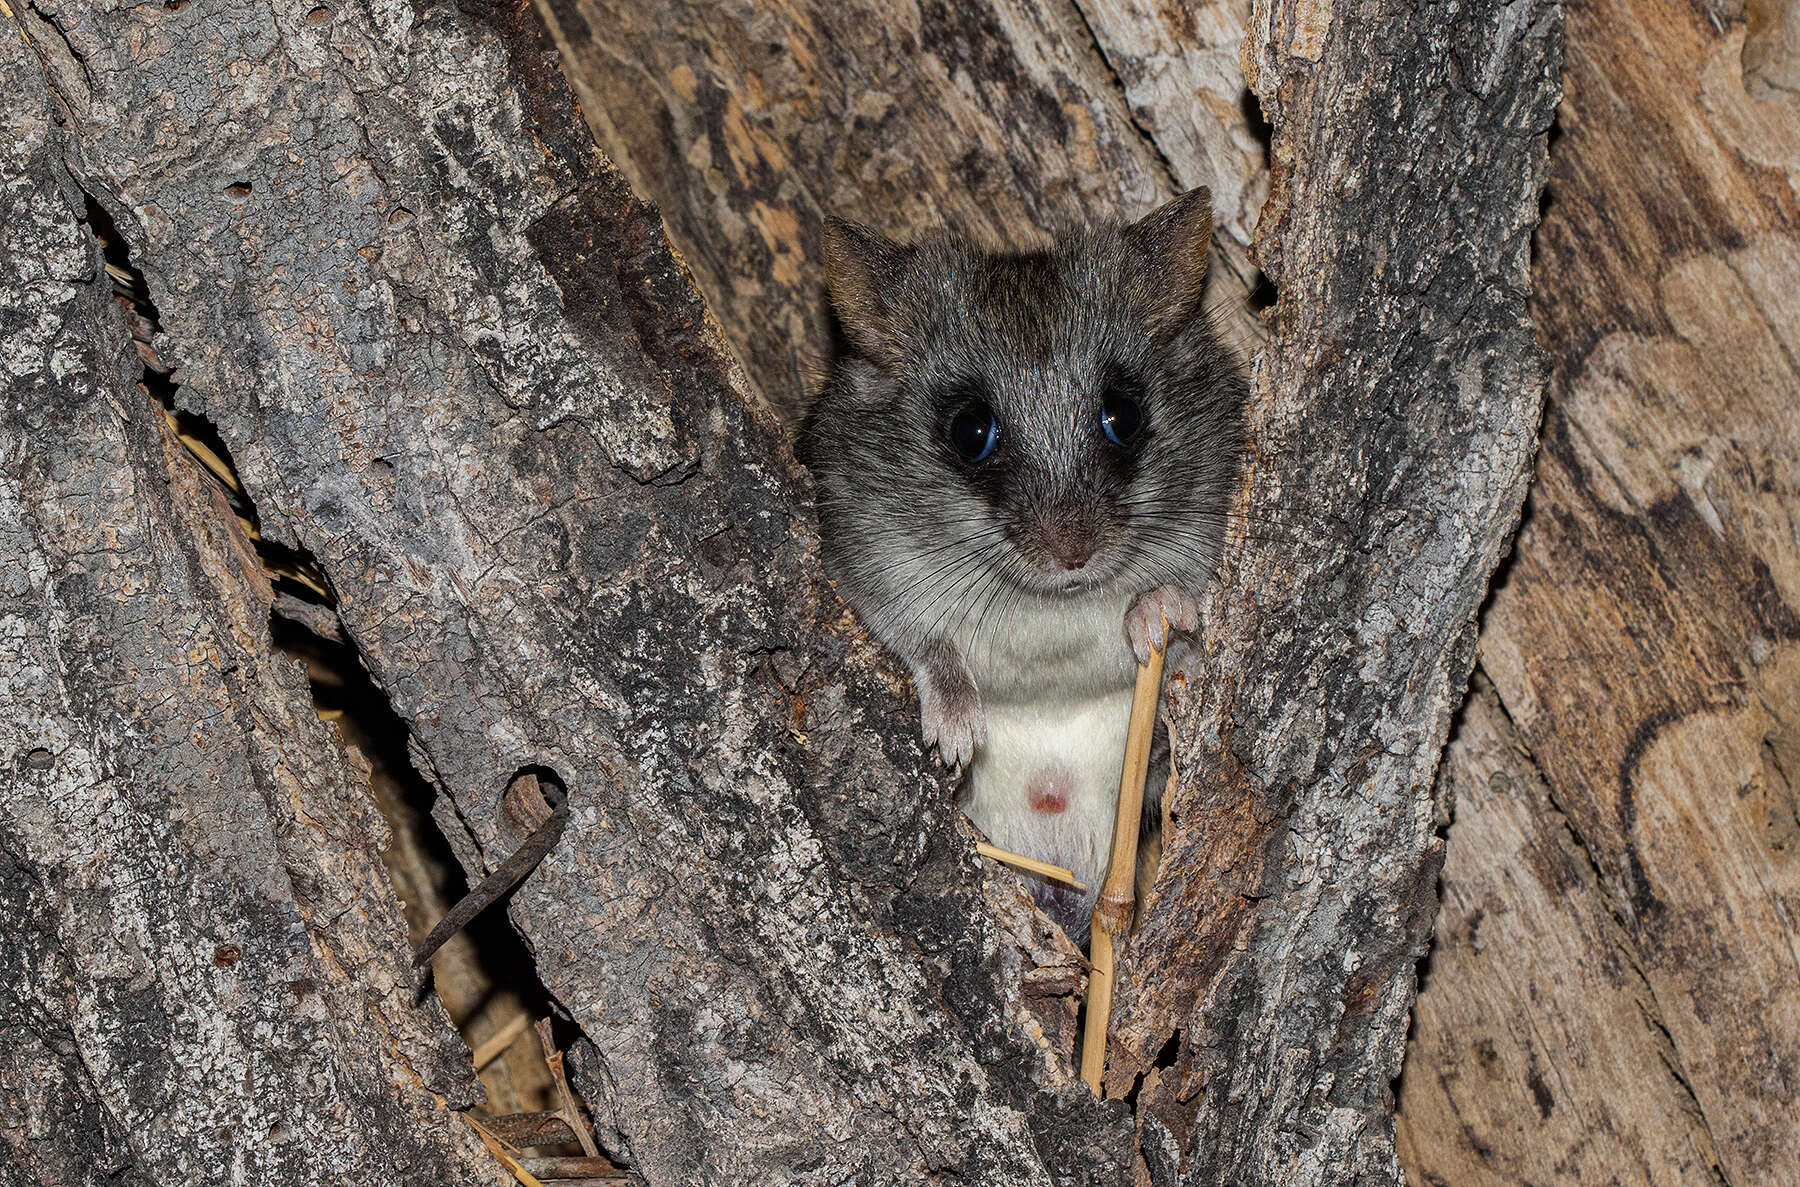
(1024,460)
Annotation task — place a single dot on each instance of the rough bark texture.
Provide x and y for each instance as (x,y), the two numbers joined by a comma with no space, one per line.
(204,974)
(1394,419)
(457,364)
(1644,655)
(459,367)
(1408,154)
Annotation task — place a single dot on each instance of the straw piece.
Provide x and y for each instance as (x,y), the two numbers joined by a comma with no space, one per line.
(1029,864)
(501,1155)
(495,1045)
(1112,912)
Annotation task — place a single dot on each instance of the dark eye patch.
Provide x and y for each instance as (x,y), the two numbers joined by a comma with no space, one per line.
(968,423)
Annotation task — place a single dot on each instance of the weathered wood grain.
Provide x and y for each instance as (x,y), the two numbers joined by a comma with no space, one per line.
(1535,1056)
(203,971)
(1647,643)
(1178,67)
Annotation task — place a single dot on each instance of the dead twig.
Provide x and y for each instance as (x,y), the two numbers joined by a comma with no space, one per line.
(530,1129)
(563,1169)
(571,1111)
(512,871)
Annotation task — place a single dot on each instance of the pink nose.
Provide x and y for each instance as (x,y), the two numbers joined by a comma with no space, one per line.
(1067,545)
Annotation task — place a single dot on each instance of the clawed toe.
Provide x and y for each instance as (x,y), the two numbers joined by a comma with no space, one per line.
(955,734)
(1144,621)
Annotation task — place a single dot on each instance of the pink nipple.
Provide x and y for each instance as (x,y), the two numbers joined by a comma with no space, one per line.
(1048,791)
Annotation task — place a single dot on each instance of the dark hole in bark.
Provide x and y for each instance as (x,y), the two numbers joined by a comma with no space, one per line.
(237,191)
(291,570)
(1259,127)
(1165,1059)
(1547,195)
(1263,294)
(530,796)
(319,15)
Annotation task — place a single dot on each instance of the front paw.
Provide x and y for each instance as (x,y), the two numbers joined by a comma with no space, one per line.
(953,722)
(1144,621)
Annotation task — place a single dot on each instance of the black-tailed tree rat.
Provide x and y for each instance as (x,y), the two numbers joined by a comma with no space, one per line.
(1023,465)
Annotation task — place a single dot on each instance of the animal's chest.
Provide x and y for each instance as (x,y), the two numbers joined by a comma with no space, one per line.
(1041,654)
(1055,687)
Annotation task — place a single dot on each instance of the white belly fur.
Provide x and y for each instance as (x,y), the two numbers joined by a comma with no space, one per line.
(1076,748)
(1055,681)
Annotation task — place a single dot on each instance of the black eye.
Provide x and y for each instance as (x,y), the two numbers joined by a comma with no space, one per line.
(973,432)
(1121,416)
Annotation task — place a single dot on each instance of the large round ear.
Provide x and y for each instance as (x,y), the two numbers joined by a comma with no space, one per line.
(862,268)
(1174,240)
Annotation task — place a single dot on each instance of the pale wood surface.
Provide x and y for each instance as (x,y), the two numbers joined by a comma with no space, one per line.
(1646,648)
(1534,1057)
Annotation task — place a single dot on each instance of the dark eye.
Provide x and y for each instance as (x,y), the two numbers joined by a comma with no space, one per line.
(974,432)
(1121,416)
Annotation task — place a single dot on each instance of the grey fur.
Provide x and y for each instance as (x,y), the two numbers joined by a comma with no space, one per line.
(942,559)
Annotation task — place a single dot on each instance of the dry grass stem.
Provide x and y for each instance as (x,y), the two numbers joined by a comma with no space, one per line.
(1112,912)
(502,1153)
(495,1045)
(1029,864)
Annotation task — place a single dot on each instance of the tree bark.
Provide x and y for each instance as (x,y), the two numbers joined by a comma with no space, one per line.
(1395,414)
(1623,1004)
(200,974)
(460,372)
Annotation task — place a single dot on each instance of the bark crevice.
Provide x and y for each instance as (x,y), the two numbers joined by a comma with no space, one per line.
(305,625)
